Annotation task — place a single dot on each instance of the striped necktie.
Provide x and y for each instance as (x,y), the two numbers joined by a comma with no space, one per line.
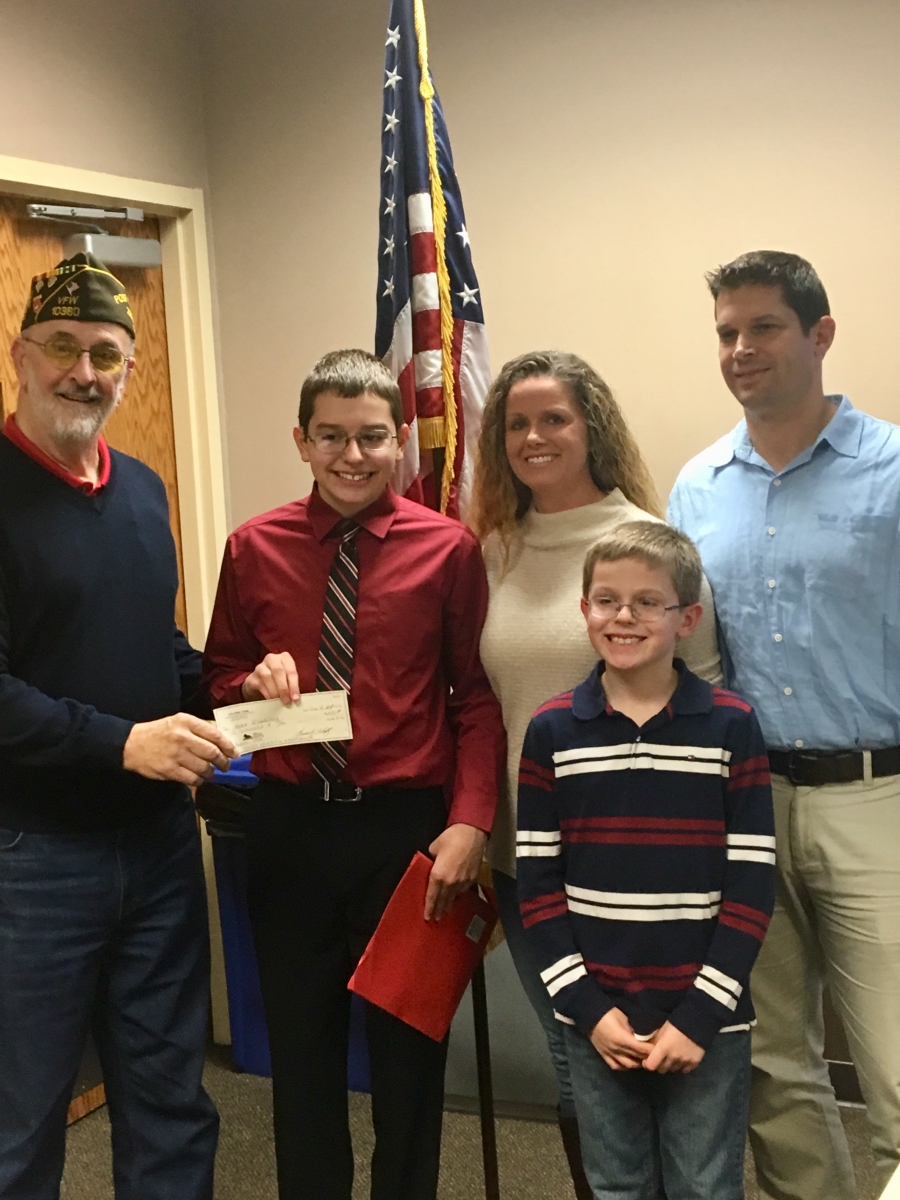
(335,666)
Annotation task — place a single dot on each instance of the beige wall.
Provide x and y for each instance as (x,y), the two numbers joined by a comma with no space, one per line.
(609,152)
(293,92)
(107,85)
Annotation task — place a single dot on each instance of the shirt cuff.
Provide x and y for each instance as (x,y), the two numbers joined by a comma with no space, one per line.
(699,1018)
(585,1004)
(106,737)
(228,691)
(473,810)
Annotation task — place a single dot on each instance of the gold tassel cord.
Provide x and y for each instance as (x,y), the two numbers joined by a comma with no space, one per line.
(431,432)
(439,217)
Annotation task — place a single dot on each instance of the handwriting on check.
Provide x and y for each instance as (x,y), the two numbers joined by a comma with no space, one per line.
(266,724)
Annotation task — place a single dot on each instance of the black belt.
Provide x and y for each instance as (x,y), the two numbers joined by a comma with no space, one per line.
(342,792)
(224,808)
(338,789)
(812,768)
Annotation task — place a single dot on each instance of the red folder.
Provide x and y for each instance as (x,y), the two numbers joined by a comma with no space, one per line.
(418,969)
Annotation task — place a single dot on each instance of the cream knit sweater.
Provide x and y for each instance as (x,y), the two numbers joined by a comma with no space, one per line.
(535,644)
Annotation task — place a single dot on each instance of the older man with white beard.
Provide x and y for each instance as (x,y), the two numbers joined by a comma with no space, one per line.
(102,903)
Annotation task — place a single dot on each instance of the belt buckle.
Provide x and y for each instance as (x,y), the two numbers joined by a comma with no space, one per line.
(329,799)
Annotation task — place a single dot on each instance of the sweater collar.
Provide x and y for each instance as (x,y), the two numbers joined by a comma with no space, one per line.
(692,696)
(549,530)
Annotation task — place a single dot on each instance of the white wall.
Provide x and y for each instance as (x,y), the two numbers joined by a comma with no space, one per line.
(107,85)
(609,152)
(293,93)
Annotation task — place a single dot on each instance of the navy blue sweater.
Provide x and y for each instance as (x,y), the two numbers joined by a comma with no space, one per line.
(646,857)
(88,644)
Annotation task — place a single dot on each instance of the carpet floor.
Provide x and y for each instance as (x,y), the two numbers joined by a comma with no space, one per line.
(532,1166)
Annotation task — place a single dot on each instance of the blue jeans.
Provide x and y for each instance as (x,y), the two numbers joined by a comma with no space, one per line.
(530,978)
(106,932)
(644,1135)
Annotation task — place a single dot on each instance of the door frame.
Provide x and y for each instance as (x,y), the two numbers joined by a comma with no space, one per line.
(199,451)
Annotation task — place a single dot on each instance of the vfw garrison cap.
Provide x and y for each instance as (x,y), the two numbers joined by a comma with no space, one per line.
(80,288)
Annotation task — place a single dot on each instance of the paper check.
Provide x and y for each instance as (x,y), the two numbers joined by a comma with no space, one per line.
(264,724)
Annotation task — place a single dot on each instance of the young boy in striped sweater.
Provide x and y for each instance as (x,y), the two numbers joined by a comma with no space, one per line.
(646,864)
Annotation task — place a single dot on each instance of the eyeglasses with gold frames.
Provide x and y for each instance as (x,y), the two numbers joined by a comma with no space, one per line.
(64,351)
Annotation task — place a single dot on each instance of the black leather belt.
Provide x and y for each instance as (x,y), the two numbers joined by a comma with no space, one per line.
(812,768)
(330,790)
(341,792)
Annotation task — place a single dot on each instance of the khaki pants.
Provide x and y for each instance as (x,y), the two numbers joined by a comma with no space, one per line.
(837,918)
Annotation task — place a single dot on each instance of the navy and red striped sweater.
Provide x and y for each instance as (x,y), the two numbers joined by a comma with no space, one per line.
(646,857)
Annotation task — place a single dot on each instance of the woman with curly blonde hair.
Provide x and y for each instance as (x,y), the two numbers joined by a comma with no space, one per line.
(557,467)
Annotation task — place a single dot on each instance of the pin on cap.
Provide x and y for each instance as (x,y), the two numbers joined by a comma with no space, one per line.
(80,288)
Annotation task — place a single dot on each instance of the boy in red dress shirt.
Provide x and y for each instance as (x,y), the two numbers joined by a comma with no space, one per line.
(355,586)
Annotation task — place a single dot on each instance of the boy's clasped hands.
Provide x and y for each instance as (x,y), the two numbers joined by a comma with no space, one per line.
(668,1050)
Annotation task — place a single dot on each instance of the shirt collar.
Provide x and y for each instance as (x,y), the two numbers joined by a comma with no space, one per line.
(377,518)
(843,434)
(12,431)
(692,695)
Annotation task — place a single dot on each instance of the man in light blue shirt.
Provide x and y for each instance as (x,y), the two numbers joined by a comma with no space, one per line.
(796,514)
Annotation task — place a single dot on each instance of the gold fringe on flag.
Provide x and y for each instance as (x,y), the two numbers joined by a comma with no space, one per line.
(431,432)
(439,216)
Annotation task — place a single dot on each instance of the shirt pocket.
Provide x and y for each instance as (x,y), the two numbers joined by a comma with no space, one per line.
(849,556)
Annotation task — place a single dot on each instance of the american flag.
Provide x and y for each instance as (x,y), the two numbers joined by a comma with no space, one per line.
(430,326)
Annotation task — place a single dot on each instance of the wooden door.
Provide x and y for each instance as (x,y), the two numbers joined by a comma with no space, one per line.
(142,425)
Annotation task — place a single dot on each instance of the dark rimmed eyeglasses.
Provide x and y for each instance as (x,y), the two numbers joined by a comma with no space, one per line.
(336,441)
(645,609)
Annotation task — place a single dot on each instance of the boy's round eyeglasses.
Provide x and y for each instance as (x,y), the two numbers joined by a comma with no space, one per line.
(64,352)
(370,440)
(647,609)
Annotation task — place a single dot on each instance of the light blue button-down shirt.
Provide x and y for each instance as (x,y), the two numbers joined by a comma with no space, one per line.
(804,565)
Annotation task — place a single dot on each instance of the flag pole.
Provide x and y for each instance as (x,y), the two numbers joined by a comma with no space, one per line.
(485,1084)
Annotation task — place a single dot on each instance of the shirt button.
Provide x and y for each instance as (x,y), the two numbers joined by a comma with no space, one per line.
(799,743)
(771,531)
(776,483)
(788,691)
(771,583)
(778,637)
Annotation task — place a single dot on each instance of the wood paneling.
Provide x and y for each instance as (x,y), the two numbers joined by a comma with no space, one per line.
(86,1103)
(142,426)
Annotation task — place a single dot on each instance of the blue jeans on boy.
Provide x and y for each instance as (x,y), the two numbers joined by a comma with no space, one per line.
(533,986)
(644,1135)
(106,932)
